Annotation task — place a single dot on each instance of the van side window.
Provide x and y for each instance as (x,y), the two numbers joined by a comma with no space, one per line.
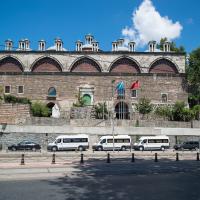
(84,140)
(66,140)
(144,141)
(110,140)
(58,141)
(165,141)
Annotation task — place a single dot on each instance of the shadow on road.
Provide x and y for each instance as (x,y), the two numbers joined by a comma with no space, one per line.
(139,180)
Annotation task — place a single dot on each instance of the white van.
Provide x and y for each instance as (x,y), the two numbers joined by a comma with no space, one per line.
(121,142)
(70,142)
(152,143)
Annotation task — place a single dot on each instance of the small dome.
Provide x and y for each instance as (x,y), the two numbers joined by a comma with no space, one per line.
(122,48)
(53,48)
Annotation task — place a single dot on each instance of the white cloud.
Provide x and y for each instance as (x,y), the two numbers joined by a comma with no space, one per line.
(148,25)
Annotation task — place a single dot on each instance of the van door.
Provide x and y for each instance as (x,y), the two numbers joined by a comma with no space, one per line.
(145,144)
(103,143)
(110,144)
(59,144)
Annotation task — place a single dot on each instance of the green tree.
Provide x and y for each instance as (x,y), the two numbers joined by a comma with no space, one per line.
(164,111)
(80,101)
(144,106)
(101,111)
(193,77)
(174,48)
(196,110)
(39,109)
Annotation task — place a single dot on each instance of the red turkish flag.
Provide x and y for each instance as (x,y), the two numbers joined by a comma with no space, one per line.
(135,85)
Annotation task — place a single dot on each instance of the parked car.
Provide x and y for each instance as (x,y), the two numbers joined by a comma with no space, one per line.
(190,145)
(25,145)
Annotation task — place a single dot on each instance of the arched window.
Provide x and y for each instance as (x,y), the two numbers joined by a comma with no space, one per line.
(87,99)
(52,92)
(122,111)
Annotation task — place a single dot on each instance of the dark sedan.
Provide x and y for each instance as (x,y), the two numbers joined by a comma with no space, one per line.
(190,145)
(25,145)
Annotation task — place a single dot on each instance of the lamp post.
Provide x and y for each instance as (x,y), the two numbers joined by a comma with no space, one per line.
(112,114)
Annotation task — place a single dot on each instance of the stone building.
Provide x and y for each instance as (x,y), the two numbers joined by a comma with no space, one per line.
(56,75)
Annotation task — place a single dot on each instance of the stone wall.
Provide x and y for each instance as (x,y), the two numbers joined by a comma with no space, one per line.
(67,86)
(104,59)
(14,113)
(45,134)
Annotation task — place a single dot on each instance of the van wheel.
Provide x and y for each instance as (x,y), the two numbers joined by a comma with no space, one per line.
(14,149)
(54,149)
(80,148)
(141,148)
(162,148)
(99,148)
(123,148)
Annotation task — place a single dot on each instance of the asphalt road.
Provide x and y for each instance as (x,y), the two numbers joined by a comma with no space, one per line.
(106,181)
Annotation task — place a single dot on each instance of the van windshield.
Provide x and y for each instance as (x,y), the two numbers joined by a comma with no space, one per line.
(103,141)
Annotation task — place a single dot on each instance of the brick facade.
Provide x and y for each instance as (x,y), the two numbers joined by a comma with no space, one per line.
(96,73)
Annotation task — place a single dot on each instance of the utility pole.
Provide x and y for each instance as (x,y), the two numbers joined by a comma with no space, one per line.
(112,114)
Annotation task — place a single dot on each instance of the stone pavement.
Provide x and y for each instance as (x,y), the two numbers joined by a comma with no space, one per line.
(38,164)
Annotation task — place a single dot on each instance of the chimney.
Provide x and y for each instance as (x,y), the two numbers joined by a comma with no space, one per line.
(114,46)
(42,45)
(79,45)
(152,46)
(89,39)
(120,42)
(27,44)
(22,46)
(8,45)
(95,46)
(58,44)
(131,46)
(167,46)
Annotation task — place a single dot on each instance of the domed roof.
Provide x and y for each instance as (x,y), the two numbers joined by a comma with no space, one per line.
(122,48)
(53,48)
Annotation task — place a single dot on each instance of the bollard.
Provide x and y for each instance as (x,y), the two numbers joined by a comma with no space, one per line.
(133,157)
(108,158)
(22,160)
(156,157)
(177,158)
(197,156)
(81,161)
(53,159)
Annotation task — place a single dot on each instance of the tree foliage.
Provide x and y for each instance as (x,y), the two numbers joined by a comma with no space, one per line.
(177,112)
(193,77)
(144,106)
(174,48)
(39,109)
(80,101)
(101,111)
(13,99)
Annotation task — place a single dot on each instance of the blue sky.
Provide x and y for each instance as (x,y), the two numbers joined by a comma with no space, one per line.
(105,19)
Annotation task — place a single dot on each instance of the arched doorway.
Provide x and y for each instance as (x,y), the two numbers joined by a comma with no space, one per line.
(122,110)
(50,105)
(87,99)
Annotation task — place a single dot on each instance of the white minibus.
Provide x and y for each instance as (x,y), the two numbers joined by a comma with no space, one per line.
(152,143)
(70,142)
(121,142)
